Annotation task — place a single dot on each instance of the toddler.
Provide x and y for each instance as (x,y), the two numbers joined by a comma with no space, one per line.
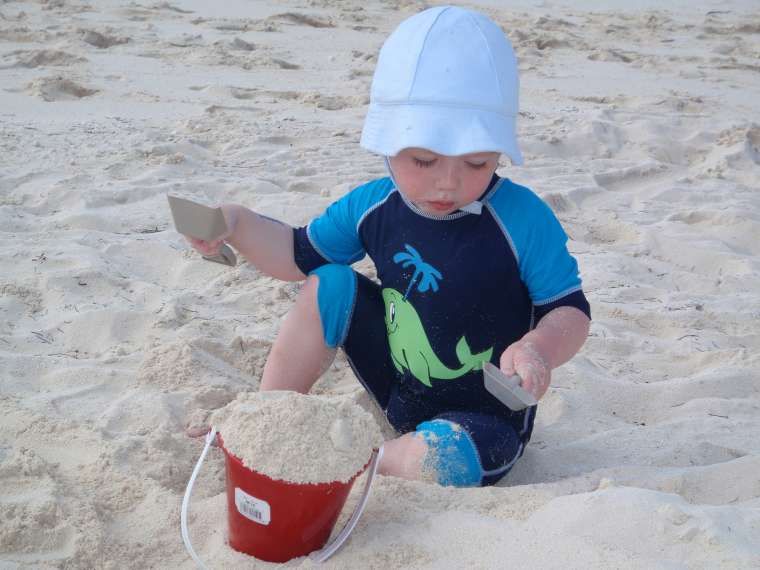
(472,266)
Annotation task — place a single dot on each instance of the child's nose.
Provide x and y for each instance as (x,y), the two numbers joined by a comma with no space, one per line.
(449,179)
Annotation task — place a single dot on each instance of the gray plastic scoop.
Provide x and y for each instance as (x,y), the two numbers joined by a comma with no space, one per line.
(201,222)
(506,389)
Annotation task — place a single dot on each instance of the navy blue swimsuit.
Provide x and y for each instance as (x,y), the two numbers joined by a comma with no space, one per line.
(454,290)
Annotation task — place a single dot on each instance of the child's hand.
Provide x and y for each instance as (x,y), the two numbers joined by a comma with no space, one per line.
(525,359)
(207,248)
(212,247)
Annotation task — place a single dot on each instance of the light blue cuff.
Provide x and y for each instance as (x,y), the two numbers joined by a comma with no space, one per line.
(336,297)
(452,454)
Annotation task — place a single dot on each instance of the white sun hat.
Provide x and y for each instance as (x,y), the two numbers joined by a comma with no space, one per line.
(446,80)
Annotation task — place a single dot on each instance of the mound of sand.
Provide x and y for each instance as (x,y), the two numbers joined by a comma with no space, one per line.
(298,438)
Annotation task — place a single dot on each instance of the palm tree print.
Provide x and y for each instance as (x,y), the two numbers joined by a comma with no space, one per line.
(429,274)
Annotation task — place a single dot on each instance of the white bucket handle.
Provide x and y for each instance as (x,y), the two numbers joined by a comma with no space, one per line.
(330,549)
(210,436)
(318,556)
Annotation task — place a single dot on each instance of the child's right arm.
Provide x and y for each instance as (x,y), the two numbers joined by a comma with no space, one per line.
(265,242)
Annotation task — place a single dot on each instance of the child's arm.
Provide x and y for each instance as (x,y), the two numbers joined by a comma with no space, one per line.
(264,242)
(558,337)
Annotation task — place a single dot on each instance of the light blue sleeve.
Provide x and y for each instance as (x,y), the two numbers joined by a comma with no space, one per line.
(538,242)
(335,234)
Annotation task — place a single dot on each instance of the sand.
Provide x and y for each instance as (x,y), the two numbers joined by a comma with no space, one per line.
(639,126)
(298,438)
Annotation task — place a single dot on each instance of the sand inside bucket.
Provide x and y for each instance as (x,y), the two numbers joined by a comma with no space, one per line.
(298,438)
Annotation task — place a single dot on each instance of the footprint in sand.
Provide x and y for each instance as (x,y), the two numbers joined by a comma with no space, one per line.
(333,103)
(277,139)
(244,93)
(558,202)
(734,155)
(284,95)
(242,45)
(305,171)
(631,177)
(102,41)
(302,20)
(58,89)
(611,233)
(305,187)
(744,140)
(282,64)
(44,58)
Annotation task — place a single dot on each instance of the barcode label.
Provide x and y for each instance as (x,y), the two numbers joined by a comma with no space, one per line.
(252,508)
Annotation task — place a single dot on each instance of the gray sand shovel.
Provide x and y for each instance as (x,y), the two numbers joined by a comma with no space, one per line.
(506,389)
(201,222)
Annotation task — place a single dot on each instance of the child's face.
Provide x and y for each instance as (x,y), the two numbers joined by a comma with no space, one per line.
(439,184)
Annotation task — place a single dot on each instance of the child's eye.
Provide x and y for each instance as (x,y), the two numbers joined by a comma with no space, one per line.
(424,163)
(477,165)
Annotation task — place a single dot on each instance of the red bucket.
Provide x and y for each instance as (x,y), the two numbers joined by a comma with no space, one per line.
(274,520)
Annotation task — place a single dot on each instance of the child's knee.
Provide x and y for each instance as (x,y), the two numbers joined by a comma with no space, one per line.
(452,456)
(335,287)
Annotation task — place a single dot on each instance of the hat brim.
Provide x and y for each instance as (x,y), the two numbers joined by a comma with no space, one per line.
(444,129)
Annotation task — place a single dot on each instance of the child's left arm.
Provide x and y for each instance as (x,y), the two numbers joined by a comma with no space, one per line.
(558,336)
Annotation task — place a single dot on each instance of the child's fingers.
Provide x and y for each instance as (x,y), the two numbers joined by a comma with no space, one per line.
(534,373)
(205,247)
(196,432)
(506,362)
(523,359)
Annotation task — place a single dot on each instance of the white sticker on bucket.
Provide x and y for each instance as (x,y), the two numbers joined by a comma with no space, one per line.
(252,508)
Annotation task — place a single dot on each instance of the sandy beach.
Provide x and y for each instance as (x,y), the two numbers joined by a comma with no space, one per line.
(640,126)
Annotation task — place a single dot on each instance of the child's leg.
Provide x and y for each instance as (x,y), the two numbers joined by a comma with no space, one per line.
(404,457)
(302,351)
(299,354)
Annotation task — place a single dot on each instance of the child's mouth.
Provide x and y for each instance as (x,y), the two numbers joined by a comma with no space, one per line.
(441,206)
